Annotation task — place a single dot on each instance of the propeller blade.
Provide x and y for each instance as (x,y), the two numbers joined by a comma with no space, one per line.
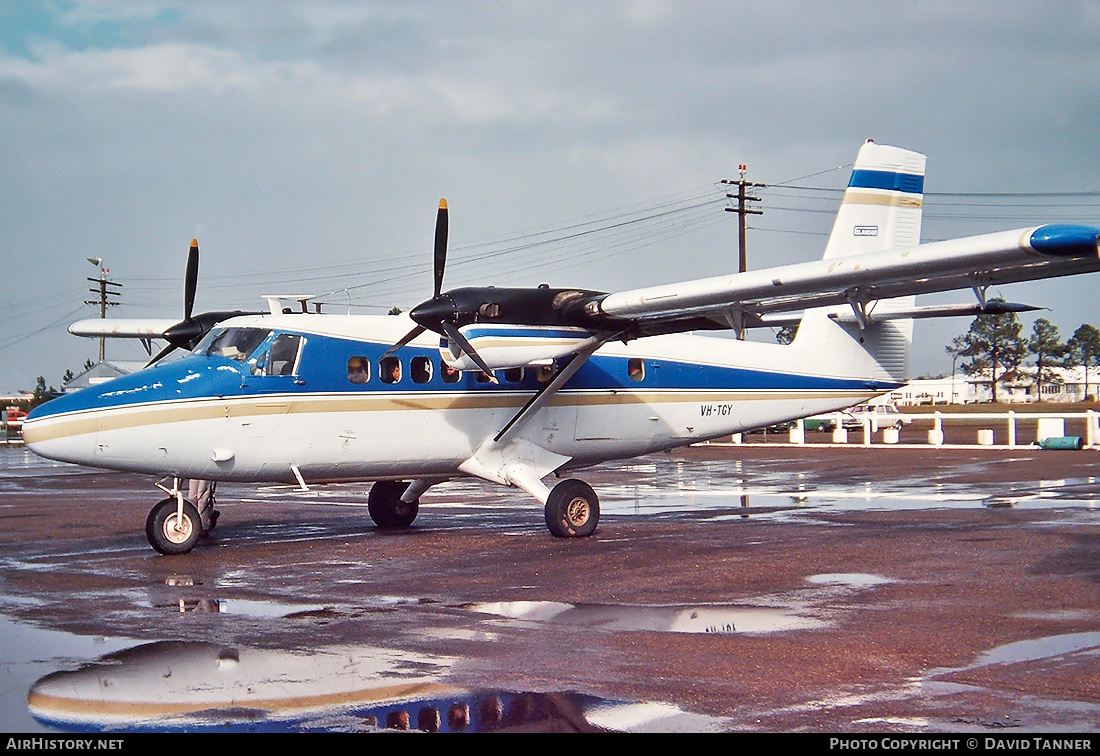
(404,340)
(191,279)
(162,354)
(456,336)
(440,245)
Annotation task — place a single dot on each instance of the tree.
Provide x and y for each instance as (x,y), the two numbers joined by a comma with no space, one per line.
(993,344)
(1083,348)
(395,310)
(41,392)
(786,334)
(1049,351)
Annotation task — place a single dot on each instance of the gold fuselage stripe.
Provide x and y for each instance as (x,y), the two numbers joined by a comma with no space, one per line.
(160,413)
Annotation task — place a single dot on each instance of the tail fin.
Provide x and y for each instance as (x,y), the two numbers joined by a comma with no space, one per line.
(881,210)
(882,206)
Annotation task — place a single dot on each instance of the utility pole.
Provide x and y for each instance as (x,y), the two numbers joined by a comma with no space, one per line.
(742,210)
(104,292)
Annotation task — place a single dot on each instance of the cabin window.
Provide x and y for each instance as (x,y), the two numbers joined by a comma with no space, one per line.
(489,310)
(482,377)
(635,368)
(546,373)
(421,369)
(389,369)
(284,354)
(450,374)
(358,370)
(513,375)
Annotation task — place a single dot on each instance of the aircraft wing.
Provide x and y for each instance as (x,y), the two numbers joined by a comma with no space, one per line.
(969,263)
(122,328)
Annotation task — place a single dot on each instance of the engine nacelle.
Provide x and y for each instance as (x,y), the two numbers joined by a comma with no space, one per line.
(510,346)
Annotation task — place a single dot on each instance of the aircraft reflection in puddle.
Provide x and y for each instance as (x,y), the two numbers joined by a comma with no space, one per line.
(672,619)
(194,686)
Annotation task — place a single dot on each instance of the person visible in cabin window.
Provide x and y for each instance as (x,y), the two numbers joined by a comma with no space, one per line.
(358,370)
(390,370)
(421,369)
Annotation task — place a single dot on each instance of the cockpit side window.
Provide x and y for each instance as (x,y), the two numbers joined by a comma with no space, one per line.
(284,354)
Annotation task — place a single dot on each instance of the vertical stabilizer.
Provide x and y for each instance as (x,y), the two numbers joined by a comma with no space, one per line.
(881,210)
(882,205)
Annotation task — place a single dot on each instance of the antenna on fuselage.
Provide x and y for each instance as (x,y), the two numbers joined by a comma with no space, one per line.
(276,303)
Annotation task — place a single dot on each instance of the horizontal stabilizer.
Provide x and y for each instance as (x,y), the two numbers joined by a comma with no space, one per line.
(846,315)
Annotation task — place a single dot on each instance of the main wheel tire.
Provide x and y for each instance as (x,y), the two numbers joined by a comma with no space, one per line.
(168,536)
(572,510)
(385,505)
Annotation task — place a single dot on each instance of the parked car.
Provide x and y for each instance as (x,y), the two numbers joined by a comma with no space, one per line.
(776,428)
(821,424)
(878,416)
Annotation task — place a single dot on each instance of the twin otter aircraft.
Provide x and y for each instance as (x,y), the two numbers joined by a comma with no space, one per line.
(511,385)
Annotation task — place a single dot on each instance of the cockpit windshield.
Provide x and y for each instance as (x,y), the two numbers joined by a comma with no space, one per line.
(234,343)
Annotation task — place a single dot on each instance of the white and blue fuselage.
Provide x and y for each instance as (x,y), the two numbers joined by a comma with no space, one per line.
(243,418)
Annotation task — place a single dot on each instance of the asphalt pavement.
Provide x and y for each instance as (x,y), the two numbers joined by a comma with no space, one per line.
(752,588)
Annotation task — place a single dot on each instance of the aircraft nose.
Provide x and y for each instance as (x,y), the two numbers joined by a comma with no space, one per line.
(58,430)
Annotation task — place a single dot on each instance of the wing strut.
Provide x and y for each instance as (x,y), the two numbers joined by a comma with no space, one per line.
(547,392)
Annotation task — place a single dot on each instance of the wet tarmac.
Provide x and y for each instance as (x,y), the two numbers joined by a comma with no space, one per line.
(753,588)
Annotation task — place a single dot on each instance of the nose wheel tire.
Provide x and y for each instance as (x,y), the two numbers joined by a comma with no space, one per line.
(572,509)
(169,533)
(385,505)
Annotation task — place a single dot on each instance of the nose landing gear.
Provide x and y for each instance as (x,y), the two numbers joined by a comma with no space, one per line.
(174,525)
(172,529)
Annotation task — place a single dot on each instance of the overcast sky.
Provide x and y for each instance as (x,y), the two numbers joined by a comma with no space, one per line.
(306,145)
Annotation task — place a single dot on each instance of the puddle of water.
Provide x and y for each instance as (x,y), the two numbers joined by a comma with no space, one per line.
(669,619)
(1040,648)
(30,652)
(255,608)
(195,686)
(854,579)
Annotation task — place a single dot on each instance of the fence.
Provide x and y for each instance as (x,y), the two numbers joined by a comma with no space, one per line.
(1006,429)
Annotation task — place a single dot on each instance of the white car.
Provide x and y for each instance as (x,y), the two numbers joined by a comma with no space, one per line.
(878,416)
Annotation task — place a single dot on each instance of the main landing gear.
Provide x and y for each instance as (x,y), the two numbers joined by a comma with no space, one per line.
(174,525)
(572,509)
(385,505)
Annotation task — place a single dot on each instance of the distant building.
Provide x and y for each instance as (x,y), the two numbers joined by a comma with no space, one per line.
(100,372)
(955,389)
(1064,385)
